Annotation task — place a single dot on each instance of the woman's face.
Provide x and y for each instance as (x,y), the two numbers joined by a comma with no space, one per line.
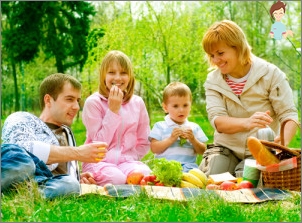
(226,60)
(117,76)
(278,14)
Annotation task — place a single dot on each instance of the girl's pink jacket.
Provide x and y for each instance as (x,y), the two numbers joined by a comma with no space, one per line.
(126,133)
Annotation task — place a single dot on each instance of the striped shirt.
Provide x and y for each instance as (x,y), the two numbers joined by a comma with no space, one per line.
(236,84)
(184,154)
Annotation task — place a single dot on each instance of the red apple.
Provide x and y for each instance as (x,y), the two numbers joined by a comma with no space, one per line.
(212,187)
(245,184)
(228,185)
(135,177)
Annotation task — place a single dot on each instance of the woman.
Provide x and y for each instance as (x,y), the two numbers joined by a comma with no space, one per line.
(243,94)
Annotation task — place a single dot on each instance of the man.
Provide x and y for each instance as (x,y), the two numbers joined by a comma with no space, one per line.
(44,147)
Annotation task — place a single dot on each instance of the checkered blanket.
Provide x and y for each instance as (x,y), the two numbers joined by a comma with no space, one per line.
(254,195)
(286,164)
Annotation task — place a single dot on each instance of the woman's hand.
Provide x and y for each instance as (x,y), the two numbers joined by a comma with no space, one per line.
(259,120)
(115,99)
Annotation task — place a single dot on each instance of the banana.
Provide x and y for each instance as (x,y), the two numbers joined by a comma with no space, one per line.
(192,179)
(185,184)
(201,175)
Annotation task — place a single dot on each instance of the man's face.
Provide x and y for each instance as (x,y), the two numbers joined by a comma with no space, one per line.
(65,108)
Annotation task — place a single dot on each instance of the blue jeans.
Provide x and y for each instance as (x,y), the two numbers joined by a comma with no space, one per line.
(18,165)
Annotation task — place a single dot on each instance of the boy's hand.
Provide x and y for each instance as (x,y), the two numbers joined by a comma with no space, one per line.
(177,132)
(188,134)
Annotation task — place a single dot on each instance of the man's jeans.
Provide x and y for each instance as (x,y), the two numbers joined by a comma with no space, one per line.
(18,165)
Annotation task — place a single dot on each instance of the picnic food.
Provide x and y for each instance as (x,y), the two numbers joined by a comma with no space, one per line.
(212,187)
(201,175)
(186,184)
(192,179)
(149,180)
(135,177)
(228,185)
(245,184)
(182,141)
(103,151)
(261,154)
(219,178)
(168,172)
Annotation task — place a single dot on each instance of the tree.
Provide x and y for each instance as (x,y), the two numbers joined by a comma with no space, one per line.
(59,28)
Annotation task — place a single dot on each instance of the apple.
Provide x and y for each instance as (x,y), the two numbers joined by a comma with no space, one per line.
(228,185)
(212,187)
(245,184)
(135,177)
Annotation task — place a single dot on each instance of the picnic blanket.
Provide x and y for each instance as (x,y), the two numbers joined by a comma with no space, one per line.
(253,195)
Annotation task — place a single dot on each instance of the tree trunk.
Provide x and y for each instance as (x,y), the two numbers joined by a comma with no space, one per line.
(17,104)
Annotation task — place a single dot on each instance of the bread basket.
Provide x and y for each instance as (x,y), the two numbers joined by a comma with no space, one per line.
(287,179)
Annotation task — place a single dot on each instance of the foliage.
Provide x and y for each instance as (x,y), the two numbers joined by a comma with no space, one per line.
(161,38)
(57,28)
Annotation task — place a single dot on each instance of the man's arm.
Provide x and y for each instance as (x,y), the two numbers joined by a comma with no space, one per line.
(90,153)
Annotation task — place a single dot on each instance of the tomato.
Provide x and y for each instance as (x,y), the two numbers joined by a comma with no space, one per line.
(152,178)
(159,184)
(143,182)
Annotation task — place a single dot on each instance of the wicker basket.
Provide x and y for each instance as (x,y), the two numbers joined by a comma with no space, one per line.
(288,179)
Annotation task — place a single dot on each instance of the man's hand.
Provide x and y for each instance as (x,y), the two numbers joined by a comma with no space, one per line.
(92,152)
(89,153)
(87,178)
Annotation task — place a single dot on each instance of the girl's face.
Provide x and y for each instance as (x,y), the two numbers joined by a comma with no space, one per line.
(117,76)
(226,59)
(178,108)
(278,14)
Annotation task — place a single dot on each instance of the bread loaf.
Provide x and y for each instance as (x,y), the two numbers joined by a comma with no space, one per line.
(261,154)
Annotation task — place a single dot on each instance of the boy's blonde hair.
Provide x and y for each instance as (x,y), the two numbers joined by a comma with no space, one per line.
(124,61)
(231,34)
(176,89)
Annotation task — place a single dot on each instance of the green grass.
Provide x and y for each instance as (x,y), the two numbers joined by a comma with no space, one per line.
(24,204)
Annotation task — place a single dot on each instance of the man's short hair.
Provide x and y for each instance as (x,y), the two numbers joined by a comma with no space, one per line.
(53,85)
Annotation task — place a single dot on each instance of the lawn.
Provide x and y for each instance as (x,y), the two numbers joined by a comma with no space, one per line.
(24,204)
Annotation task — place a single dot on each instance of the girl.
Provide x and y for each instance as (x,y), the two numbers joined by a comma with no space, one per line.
(116,116)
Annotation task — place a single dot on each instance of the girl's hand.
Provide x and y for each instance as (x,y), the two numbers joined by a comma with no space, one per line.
(115,99)
(87,178)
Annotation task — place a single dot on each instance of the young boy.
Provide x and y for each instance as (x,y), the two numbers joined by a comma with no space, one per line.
(176,138)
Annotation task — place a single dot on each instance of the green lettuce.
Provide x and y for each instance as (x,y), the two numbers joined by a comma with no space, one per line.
(168,172)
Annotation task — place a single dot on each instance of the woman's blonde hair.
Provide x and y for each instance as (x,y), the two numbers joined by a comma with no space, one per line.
(231,34)
(124,61)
